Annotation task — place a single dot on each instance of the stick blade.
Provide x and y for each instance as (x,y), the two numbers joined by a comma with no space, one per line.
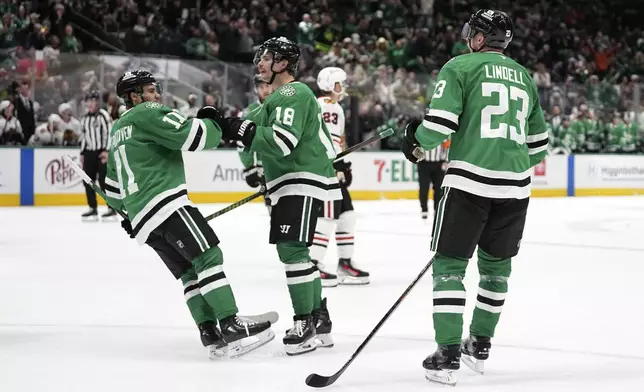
(77,169)
(317,381)
(386,133)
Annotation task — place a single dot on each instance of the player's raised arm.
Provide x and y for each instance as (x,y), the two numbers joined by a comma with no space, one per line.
(537,139)
(172,130)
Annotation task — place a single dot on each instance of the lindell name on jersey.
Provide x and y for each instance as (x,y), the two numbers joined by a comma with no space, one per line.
(502,72)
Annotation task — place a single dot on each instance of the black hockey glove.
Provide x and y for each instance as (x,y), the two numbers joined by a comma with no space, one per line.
(346,177)
(410,146)
(242,130)
(212,113)
(127,226)
(254,176)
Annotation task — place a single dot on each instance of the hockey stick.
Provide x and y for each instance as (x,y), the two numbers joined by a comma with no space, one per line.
(77,169)
(316,381)
(262,191)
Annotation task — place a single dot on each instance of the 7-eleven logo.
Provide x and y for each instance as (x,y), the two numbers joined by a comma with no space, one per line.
(540,169)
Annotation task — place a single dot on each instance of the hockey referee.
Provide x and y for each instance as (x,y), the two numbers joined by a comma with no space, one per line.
(96,130)
(431,169)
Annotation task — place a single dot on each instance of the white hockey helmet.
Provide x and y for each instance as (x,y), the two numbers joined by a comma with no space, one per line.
(4,105)
(64,108)
(329,76)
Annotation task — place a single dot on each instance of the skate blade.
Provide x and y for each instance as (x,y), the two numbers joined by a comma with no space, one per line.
(302,348)
(90,219)
(271,317)
(329,282)
(215,352)
(355,281)
(324,340)
(474,364)
(445,377)
(246,345)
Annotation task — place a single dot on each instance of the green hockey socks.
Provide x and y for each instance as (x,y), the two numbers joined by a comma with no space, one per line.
(449,296)
(197,305)
(493,288)
(302,277)
(213,284)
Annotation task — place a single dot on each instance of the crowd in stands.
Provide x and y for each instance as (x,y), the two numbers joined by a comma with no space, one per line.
(586,57)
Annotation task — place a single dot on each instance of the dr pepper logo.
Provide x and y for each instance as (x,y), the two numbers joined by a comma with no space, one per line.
(60,175)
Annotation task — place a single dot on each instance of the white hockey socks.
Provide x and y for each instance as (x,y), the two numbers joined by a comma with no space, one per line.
(323,231)
(344,234)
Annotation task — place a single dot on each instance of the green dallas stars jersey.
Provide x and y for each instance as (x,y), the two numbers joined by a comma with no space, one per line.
(295,145)
(145,172)
(489,105)
(249,159)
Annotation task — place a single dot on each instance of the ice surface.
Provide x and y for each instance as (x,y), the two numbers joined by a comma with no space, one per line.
(83,308)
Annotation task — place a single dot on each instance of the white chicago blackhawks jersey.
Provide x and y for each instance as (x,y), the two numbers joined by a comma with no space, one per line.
(57,132)
(61,127)
(333,116)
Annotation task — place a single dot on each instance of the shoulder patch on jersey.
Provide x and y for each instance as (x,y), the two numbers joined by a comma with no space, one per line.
(152,105)
(287,90)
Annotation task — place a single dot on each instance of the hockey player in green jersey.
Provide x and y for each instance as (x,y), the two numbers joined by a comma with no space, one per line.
(489,106)
(146,179)
(297,152)
(253,169)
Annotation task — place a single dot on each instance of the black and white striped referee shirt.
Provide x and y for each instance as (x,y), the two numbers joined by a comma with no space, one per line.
(96,131)
(438,154)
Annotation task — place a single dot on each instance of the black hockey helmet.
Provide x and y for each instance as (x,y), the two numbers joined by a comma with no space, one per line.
(133,82)
(496,27)
(282,48)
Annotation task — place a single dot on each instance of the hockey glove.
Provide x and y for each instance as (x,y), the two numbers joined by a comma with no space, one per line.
(127,226)
(212,113)
(410,146)
(242,130)
(254,176)
(343,170)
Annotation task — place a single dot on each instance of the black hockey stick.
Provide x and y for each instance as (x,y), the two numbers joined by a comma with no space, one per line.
(77,169)
(381,135)
(316,381)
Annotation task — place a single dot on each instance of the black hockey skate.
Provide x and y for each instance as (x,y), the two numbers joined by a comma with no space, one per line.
(440,365)
(90,216)
(323,325)
(110,215)
(212,339)
(475,350)
(328,279)
(423,215)
(301,337)
(349,274)
(245,335)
